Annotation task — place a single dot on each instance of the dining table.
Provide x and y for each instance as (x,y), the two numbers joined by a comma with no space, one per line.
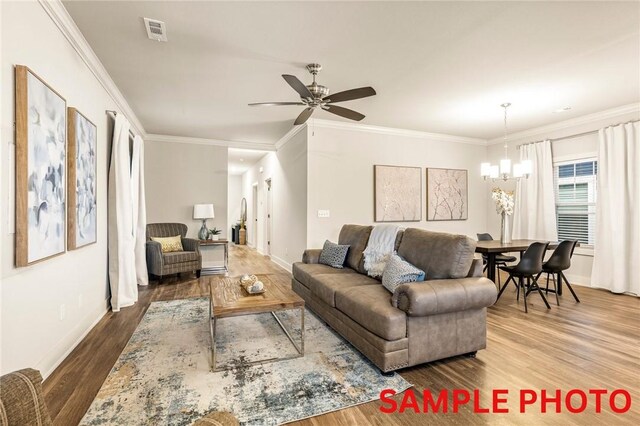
(492,248)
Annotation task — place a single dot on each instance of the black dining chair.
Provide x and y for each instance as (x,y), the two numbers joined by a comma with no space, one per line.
(560,261)
(501,259)
(525,271)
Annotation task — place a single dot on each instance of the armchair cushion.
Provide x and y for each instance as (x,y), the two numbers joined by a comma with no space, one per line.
(180,257)
(442,296)
(169,244)
(21,399)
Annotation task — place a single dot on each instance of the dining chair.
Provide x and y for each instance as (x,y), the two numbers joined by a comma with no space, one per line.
(525,271)
(501,259)
(560,261)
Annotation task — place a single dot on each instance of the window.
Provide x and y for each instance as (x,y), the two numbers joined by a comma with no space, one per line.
(575,193)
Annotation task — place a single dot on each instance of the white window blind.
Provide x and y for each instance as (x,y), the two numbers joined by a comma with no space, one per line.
(575,193)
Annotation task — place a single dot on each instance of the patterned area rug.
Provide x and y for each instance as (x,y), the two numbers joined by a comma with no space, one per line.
(163,377)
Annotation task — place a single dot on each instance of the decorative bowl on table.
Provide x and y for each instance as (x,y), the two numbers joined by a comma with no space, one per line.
(252,284)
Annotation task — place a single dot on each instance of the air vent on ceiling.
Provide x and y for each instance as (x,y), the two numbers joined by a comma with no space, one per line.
(156,30)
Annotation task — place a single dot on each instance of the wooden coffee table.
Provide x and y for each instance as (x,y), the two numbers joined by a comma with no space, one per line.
(229,299)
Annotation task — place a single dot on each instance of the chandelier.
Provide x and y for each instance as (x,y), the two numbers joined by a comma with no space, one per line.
(503,171)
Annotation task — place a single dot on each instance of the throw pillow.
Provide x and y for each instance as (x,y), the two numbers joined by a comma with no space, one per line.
(169,244)
(333,254)
(398,271)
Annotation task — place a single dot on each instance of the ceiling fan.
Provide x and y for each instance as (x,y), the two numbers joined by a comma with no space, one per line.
(316,95)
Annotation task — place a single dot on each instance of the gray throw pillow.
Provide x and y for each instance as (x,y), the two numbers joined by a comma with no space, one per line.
(333,254)
(398,271)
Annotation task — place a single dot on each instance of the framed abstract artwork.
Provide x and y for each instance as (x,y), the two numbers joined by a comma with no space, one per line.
(41,179)
(82,214)
(447,194)
(397,193)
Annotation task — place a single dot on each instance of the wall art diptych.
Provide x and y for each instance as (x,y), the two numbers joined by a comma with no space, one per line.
(82,173)
(447,194)
(41,181)
(397,193)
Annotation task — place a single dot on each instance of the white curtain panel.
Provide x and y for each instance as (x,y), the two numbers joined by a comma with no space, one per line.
(534,215)
(125,189)
(140,211)
(616,262)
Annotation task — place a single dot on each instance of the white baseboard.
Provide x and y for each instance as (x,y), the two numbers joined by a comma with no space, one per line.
(281,263)
(51,361)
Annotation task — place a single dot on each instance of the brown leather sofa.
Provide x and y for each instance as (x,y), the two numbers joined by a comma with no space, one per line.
(441,317)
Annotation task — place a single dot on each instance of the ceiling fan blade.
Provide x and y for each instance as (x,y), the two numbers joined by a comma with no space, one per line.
(304,116)
(349,95)
(275,103)
(297,85)
(344,112)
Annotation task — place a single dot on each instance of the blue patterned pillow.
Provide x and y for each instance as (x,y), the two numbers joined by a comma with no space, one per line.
(333,254)
(398,271)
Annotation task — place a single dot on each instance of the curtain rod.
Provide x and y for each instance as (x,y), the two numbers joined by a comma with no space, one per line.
(576,135)
(114,113)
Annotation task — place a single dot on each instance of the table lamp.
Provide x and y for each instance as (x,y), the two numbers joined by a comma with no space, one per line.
(204,212)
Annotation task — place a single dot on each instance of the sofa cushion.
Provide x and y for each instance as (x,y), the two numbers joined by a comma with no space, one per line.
(398,271)
(179,257)
(333,254)
(370,306)
(439,255)
(304,271)
(169,244)
(324,286)
(356,237)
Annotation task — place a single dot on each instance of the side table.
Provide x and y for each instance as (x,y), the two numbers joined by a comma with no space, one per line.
(210,267)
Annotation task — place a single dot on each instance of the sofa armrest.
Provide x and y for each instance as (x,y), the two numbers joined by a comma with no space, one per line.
(154,257)
(311,256)
(191,244)
(476,267)
(442,296)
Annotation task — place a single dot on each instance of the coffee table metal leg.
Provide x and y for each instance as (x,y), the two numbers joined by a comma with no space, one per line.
(212,331)
(299,348)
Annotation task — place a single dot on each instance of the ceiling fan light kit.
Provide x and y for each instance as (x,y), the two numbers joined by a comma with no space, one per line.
(316,95)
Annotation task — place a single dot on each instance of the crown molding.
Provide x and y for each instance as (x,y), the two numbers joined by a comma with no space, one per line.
(440,137)
(213,142)
(572,122)
(289,135)
(61,18)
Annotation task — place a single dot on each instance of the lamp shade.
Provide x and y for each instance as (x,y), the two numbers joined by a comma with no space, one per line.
(203,211)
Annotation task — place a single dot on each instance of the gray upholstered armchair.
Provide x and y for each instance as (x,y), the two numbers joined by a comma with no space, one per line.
(161,264)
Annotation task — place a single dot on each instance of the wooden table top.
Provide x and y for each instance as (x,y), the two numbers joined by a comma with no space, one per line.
(213,242)
(229,298)
(495,246)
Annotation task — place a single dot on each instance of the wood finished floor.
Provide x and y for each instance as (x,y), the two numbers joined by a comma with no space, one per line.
(593,344)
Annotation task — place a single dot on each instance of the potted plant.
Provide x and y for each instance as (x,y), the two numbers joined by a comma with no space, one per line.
(214,233)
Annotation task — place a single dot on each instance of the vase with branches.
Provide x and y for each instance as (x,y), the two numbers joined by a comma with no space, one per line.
(504,201)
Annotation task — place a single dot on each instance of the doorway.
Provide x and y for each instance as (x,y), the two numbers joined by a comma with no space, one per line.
(268,217)
(254,218)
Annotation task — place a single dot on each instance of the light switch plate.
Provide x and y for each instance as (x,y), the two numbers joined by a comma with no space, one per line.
(324,213)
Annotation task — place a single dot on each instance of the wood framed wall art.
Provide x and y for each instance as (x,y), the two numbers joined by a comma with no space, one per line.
(397,193)
(41,180)
(82,215)
(447,194)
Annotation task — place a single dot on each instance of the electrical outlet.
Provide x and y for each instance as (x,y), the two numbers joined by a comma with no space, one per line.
(63,312)
(324,213)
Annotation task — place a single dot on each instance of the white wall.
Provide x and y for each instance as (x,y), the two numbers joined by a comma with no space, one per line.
(287,169)
(234,198)
(179,175)
(341,164)
(33,333)
(582,261)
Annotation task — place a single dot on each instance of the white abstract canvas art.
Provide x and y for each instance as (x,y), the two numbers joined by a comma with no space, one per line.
(447,194)
(82,181)
(398,194)
(46,171)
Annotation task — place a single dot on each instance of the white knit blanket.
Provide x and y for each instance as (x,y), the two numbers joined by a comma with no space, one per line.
(379,248)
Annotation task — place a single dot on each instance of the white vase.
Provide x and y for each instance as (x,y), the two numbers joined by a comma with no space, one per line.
(505,229)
